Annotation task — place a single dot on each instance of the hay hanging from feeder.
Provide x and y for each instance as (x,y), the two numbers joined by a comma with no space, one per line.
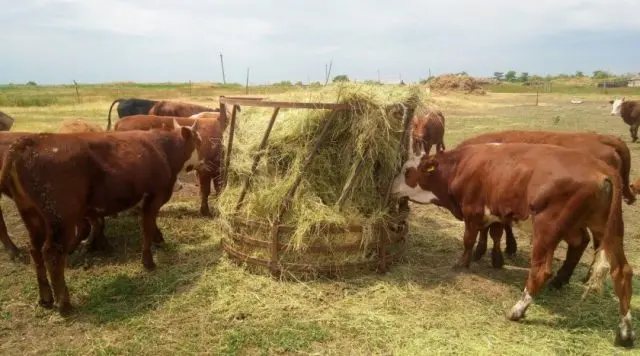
(368,134)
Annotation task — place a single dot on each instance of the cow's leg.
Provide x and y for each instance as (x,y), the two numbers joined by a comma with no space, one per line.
(634,132)
(578,240)
(205,191)
(150,231)
(97,242)
(512,245)
(427,147)
(621,274)
(55,252)
(481,247)
(495,230)
(11,248)
(416,146)
(544,243)
(37,237)
(470,236)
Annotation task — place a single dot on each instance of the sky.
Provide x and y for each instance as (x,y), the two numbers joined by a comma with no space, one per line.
(93,41)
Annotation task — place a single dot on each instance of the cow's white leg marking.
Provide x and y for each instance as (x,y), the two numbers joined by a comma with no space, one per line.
(626,330)
(518,310)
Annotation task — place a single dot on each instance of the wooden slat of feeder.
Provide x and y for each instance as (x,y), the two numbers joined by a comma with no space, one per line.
(232,129)
(282,104)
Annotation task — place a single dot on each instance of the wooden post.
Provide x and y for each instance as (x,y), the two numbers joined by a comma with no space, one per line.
(224,80)
(246,87)
(190,88)
(232,129)
(537,92)
(256,160)
(77,91)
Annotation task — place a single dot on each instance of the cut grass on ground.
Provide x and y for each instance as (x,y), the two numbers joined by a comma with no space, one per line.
(198,302)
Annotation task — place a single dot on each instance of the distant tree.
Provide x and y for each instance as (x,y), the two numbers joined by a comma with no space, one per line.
(510,76)
(285,83)
(32,83)
(340,78)
(463,73)
(579,74)
(601,74)
(371,82)
(315,84)
(299,84)
(498,75)
(535,78)
(524,77)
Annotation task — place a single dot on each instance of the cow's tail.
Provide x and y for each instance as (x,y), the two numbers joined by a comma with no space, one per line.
(614,231)
(625,170)
(10,157)
(109,116)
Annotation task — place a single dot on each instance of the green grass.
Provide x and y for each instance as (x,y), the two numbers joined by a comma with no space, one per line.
(198,302)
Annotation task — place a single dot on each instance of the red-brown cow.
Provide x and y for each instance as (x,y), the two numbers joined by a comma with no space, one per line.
(211,151)
(607,148)
(629,110)
(173,108)
(428,130)
(58,180)
(559,195)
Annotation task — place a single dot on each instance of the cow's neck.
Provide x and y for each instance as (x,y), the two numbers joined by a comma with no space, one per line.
(174,148)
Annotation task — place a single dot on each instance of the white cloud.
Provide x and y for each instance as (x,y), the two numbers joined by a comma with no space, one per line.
(292,36)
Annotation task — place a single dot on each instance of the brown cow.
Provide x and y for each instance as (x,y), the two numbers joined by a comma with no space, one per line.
(559,195)
(59,179)
(607,148)
(428,130)
(177,109)
(629,110)
(211,151)
(78,125)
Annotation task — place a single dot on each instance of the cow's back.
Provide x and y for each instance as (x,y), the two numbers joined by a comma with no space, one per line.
(630,112)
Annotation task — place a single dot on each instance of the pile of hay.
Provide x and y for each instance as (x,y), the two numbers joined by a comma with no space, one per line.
(456,82)
(371,131)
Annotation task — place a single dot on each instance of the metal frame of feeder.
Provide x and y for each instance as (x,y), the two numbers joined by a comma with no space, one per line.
(274,245)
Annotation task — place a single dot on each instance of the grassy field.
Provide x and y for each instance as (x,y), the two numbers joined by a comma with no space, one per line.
(198,302)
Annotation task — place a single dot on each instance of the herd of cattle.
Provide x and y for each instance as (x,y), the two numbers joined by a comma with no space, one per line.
(64,184)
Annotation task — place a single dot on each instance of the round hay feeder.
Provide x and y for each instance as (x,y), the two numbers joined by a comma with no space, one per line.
(269,244)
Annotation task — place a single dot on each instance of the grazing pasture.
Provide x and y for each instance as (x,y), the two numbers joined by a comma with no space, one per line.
(198,302)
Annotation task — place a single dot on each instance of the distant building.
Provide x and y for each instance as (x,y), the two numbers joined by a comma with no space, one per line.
(634,82)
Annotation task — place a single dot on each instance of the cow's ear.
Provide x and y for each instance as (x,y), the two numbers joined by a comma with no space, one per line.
(186,132)
(196,125)
(176,126)
(428,165)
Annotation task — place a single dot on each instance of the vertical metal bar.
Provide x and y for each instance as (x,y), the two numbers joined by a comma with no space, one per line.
(232,129)
(256,160)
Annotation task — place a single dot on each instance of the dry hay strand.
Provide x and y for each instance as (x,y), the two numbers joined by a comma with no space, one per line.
(78,125)
(455,82)
(370,132)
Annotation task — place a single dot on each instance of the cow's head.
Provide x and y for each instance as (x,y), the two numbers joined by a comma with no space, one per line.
(192,144)
(616,105)
(418,180)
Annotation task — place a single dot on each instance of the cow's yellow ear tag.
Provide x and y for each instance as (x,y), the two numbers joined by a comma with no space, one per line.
(430,169)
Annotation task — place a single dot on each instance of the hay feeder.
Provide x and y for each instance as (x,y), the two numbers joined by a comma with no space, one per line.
(246,237)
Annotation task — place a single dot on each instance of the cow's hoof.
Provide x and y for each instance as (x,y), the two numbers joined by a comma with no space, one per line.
(478,253)
(625,340)
(497,261)
(47,304)
(149,265)
(66,309)
(460,266)
(511,250)
(515,314)
(206,213)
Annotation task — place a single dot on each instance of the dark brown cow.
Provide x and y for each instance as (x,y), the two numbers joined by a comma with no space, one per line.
(559,195)
(59,179)
(629,110)
(428,130)
(211,151)
(177,109)
(607,148)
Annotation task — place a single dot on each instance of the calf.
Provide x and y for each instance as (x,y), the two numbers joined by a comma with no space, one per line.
(607,148)
(629,110)
(177,109)
(559,195)
(428,130)
(211,151)
(59,179)
(131,106)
